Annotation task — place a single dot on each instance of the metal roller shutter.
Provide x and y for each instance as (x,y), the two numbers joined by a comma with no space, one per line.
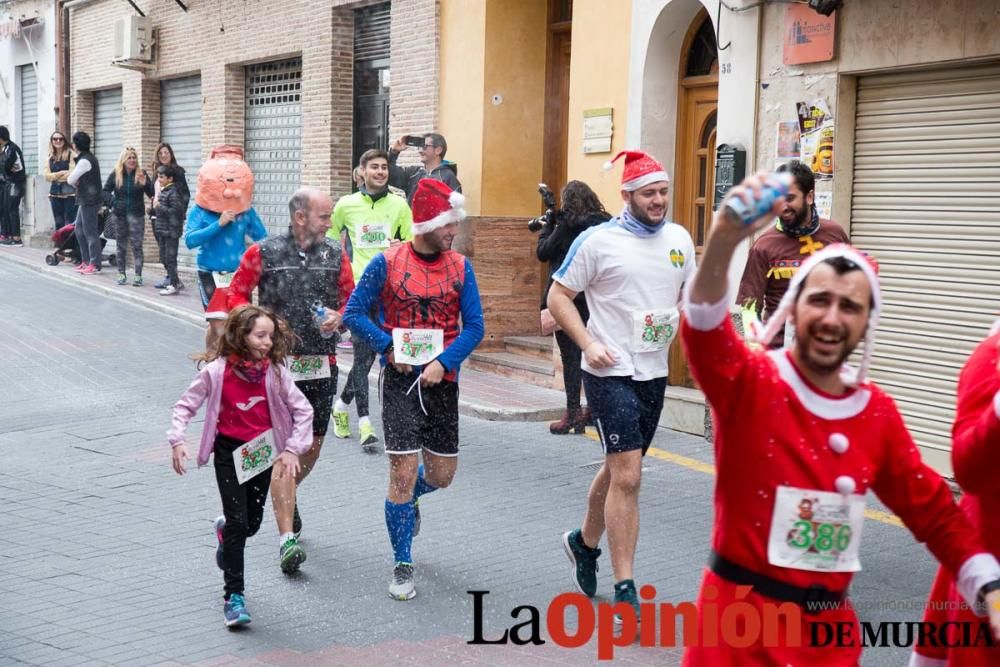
(107,139)
(273,137)
(28,138)
(180,126)
(926,204)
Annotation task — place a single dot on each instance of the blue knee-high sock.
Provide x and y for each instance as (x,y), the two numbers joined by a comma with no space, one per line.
(399,522)
(422,487)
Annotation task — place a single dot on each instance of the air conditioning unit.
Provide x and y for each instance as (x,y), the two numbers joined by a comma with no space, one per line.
(134,39)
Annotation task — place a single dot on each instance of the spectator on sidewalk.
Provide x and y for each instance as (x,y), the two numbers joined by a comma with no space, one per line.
(168,223)
(128,185)
(62,195)
(164,155)
(373,219)
(86,178)
(581,209)
(432,165)
(12,179)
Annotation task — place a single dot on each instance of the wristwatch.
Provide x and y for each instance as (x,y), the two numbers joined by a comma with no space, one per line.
(985,590)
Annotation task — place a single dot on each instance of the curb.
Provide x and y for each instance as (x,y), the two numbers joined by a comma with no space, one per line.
(197,319)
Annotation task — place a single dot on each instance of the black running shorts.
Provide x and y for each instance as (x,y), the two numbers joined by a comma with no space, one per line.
(320,394)
(407,429)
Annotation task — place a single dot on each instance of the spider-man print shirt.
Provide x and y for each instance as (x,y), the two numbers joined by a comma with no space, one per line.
(412,293)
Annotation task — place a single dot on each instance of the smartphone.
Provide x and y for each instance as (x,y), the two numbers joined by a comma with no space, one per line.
(414,140)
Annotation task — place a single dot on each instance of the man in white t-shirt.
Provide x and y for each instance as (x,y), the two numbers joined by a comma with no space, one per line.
(631,269)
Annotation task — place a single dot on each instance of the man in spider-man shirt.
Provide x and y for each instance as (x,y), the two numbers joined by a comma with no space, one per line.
(422,291)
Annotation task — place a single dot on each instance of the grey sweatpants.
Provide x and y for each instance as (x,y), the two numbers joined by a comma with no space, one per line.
(129,230)
(87,235)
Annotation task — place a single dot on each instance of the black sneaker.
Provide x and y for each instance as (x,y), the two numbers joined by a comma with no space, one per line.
(584,562)
(296,522)
(625,593)
(16,243)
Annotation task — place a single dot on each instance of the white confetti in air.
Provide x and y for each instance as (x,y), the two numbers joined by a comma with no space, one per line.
(838,442)
(845,485)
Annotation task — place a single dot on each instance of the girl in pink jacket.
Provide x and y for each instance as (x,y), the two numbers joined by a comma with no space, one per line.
(256,421)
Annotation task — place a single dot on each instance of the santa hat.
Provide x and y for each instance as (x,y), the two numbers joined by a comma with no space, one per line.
(218,306)
(640,170)
(435,205)
(850,376)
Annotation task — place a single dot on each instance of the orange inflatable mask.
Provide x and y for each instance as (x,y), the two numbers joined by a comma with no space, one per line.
(225,182)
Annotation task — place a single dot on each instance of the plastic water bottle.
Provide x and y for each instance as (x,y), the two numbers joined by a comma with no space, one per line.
(775,186)
(319,314)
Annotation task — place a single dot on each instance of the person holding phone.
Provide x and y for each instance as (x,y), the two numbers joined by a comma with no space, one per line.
(432,148)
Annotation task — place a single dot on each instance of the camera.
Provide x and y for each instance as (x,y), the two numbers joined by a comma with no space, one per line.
(415,140)
(535,224)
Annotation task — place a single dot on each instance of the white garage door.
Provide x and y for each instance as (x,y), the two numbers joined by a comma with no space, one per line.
(273,139)
(180,126)
(28,136)
(926,203)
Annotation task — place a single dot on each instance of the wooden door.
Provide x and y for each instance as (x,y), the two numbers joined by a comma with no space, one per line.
(694,178)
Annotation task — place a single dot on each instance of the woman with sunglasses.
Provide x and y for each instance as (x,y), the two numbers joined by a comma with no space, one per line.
(62,195)
(127,184)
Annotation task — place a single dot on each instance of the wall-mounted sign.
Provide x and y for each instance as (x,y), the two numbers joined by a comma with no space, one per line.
(10,29)
(597,130)
(809,37)
(730,170)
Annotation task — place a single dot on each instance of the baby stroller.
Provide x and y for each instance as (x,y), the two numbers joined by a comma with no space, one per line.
(67,249)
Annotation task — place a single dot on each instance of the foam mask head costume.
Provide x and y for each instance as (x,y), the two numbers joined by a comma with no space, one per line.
(225,182)
(850,376)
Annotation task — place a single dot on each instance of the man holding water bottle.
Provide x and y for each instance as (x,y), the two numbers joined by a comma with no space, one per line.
(430,320)
(304,278)
(800,438)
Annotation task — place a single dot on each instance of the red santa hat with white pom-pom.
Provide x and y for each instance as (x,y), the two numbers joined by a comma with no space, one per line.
(435,205)
(640,170)
(869,267)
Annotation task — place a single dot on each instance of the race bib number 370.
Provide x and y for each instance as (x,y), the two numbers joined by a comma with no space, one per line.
(814,530)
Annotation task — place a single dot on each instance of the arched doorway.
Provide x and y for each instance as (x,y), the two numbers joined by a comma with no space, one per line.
(694,168)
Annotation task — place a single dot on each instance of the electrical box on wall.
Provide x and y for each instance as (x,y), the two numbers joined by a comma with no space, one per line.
(133,38)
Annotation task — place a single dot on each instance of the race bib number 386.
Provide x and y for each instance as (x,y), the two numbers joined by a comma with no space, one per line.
(816,530)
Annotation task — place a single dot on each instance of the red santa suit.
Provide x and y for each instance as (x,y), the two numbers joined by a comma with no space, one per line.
(793,465)
(975,454)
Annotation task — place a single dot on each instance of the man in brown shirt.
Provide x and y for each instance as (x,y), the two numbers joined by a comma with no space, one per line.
(777,253)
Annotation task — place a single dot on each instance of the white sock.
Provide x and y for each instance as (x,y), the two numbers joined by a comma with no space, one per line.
(284,538)
(364,421)
(340,406)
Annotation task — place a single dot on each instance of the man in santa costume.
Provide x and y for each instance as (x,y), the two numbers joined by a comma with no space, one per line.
(800,439)
(975,451)
(429,319)
(631,270)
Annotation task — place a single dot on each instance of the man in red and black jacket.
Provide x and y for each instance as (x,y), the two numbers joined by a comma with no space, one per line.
(306,279)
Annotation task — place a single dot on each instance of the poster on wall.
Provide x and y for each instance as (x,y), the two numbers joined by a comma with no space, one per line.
(824,204)
(816,137)
(787,144)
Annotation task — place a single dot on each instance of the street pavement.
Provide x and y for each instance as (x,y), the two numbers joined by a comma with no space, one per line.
(107,556)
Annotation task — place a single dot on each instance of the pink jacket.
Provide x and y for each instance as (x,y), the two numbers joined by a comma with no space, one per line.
(291,413)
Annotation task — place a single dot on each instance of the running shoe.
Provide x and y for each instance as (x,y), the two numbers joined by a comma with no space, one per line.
(90,270)
(341,424)
(296,522)
(416,517)
(345,345)
(15,243)
(291,556)
(584,562)
(235,611)
(80,267)
(163,283)
(122,279)
(137,281)
(169,290)
(625,592)
(369,441)
(220,523)
(402,588)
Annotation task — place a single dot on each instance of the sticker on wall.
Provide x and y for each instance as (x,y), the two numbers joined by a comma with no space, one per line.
(816,137)
(787,145)
(824,204)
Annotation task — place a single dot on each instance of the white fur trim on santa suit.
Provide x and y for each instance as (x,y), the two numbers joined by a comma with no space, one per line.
(917,660)
(823,407)
(850,376)
(644,180)
(438,221)
(975,573)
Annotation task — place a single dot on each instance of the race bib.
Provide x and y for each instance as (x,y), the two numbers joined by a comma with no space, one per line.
(373,235)
(309,367)
(417,347)
(222,278)
(255,456)
(819,531)
(653,330)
